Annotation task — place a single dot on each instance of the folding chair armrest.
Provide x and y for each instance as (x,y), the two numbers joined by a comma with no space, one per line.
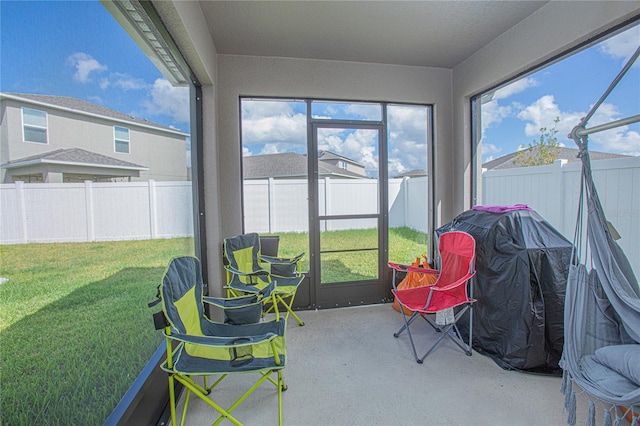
(282,260)
(455,284)
(223,342)
(235,271)
(240,301)
(410,268)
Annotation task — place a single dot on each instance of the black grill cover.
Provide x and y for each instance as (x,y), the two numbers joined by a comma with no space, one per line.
(522,263)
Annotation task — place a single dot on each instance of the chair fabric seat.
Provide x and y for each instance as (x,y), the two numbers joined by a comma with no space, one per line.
(188,364)
(414,298)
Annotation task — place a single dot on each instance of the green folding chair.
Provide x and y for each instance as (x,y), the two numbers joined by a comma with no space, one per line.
(197,346)
(249,271)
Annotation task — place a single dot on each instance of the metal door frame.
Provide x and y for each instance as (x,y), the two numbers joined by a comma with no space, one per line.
(347,293)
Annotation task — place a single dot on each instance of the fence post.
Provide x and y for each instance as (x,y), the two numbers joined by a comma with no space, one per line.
(152,209)
(558,172)
(271,203)
(404,186)
(327,202)
(22,214)
(88,203)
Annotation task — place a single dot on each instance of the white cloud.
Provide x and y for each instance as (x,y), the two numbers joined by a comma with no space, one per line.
(623,45)
(271,148)
(494,113)
(275,124)
(85,65)
(127,82)
(489,148)
(620,140)
(543,111)
(166,99)
(364,111)
(407,138)
(96,99)
(515,88)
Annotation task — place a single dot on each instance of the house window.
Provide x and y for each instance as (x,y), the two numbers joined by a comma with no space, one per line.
(121,135)
(34,125)
(343,165)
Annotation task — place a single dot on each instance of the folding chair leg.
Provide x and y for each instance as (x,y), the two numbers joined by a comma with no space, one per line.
(265,376)
(281,387)
(202,394)
(406,327)
(447,331)
(289,308)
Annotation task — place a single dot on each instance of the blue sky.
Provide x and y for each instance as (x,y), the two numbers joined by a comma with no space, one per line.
(77,49)
(567,90)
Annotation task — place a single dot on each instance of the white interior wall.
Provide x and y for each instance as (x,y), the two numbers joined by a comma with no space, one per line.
(555,28)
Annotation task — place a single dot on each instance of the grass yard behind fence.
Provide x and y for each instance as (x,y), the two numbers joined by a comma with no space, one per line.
(405,244)
(75,329)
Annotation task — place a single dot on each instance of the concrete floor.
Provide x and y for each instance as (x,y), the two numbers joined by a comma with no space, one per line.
(344,367)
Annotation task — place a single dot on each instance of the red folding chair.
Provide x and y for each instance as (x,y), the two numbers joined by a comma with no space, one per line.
(453,289)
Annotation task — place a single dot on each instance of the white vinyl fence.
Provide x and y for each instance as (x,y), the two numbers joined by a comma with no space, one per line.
(280,205)
(74,212)
(553,191)
(71,212)
(143,210)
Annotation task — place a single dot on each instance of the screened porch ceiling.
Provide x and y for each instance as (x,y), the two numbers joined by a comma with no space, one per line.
(439,34)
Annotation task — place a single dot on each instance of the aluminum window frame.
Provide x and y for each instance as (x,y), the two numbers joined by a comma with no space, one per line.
(117,140)
(35,126)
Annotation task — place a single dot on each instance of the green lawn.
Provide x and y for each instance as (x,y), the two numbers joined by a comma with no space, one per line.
(75,326)
(75,329)
(405,245)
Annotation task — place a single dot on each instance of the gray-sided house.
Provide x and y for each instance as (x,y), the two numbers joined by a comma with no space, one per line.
(291,165)
(60,139)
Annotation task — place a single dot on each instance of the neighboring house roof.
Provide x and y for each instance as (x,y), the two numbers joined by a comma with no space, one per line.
(287,165)
(328,155)
(76,157)
(570,154)
(86,108)
(412,173)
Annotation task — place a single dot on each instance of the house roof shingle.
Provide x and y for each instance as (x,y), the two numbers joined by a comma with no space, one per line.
(74,156)
(412,173)
(570,154)
(289,165)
